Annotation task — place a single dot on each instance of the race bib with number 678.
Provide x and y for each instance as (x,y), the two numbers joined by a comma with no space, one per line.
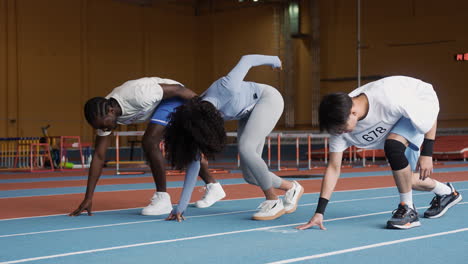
(373,134)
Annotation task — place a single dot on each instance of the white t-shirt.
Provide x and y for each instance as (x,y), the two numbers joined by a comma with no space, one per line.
(390,99)
(138,100)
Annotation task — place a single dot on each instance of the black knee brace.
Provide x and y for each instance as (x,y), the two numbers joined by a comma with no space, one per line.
(395,152)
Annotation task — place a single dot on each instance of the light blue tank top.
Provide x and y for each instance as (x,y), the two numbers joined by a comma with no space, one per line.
(232,96)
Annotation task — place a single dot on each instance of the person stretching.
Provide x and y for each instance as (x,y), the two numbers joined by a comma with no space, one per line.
(197,128)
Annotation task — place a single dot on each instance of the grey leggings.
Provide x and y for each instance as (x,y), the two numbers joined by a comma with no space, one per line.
(252,131)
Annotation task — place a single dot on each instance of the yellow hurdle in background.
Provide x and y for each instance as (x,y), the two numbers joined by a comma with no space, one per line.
(15,153)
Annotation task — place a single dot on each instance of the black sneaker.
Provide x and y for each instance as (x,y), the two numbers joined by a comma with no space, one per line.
(440,204)
(403,218)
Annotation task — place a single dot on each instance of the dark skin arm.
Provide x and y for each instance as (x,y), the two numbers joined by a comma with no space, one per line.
(99,156)
(151,140)
(205,174)
(153,136)
(169,91)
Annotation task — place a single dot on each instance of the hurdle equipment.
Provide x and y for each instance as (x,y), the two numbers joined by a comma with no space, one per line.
(309,137)
(65,144)
(119,162)
(24,154)
(321,153)
(374,153)
(39,153)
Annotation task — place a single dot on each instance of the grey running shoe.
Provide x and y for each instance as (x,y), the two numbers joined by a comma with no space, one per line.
(440,204)
(403,218)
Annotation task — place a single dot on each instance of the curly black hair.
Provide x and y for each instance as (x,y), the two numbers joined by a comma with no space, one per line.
(196,127)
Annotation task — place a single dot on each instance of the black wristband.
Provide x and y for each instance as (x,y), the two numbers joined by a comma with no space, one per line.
(322,204)
(427,147)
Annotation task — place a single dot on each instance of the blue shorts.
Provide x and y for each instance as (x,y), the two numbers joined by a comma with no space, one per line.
(405,128)
(162,113)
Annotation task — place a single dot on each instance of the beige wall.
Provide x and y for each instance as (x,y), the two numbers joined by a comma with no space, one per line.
(69,51)
(49,80)
(237,32)
(3,68)
(56,54)
(414,38)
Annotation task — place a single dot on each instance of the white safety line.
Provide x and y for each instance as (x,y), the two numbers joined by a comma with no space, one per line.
(230,200)
(172,240)
(202,236)
(207,215)
(114,210)
(130,190)
(198,216)
(343,251)
(185,239)
(46,195)
(39,216)
(137,222)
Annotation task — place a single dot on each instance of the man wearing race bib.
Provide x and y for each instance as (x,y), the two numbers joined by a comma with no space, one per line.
(397,114)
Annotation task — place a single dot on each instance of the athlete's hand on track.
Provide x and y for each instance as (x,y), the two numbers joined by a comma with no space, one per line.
(425,167)
(86,205)
(316,220)
(177,216)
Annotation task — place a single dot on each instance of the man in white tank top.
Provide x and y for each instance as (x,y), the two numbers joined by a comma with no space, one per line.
(397,114)
(147,99)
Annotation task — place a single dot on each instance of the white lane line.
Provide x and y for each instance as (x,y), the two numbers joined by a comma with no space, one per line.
(198,216)
(182,239)
(174,240)
(39,216)
(115,210)
(129,190)
(84,188)
(338,252)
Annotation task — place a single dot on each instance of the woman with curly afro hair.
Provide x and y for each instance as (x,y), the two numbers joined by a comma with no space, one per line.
(197,128)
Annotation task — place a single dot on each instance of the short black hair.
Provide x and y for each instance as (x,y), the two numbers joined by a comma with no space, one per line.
(96,107)
(334,112)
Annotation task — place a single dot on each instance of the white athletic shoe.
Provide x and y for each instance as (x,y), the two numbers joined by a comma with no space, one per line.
(269,210)
(213,193)
(292,196)
(160,205)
